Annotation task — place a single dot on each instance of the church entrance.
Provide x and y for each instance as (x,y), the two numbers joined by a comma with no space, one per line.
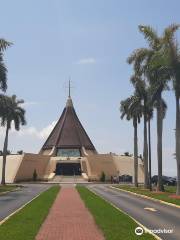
(68,169)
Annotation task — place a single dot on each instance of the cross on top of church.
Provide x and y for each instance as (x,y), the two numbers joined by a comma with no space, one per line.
(70,87)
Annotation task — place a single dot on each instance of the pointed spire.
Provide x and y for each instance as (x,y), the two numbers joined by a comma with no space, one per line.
(69,87)
(69,102)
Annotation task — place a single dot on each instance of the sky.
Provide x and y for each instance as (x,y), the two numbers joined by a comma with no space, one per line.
(89,41)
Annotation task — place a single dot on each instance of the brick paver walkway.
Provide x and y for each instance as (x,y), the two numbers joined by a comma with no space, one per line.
(69,219)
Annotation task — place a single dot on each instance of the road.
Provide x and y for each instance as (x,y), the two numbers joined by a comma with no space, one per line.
(14,200)
(151,214)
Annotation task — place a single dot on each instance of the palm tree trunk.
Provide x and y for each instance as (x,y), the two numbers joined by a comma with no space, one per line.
(178,144)
(149,137)
(145,153)
(135,155)
(159,143)
(3,181)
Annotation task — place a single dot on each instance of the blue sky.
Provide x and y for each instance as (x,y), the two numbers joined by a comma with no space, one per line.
(90,41)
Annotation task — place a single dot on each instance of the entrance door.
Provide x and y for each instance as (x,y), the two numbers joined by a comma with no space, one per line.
(68,169)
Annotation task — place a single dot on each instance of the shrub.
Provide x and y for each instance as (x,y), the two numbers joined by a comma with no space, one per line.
(34,175)
(20,152)
(103,177)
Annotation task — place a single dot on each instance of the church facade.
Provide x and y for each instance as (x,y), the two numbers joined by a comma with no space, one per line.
(68,151)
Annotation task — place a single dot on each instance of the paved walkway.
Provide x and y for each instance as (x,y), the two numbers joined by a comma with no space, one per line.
(69,219)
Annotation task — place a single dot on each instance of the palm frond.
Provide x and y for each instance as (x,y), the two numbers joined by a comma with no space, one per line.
(151,35)
(4,44)
(170,31)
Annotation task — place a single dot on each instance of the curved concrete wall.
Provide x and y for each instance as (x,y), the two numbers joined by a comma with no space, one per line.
(13,163)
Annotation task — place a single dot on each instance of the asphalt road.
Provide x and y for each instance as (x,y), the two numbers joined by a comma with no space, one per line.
(14,200)
(155,216)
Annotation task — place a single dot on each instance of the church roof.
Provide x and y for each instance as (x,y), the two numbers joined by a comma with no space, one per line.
(68,132)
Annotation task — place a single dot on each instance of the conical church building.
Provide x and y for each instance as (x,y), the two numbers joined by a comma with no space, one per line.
(69,151)
(68,141)
(68,138)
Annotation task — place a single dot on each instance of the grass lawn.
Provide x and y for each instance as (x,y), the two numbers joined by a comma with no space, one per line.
(169,190)
(114,224)
(24,225)
(6,188)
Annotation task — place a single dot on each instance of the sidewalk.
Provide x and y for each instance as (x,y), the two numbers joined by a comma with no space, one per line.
(69,219)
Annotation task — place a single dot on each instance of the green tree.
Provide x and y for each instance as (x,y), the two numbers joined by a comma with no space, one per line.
(132,109)
(141,90)
(149,118)
(3,70)
(157,79)
(168,60)
(13,113)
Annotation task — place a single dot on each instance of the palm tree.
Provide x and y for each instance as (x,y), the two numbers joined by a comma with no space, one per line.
(13,113)
(3,70)
(157,79)
(149,118)
(132,109)
(141,90)
(168,60)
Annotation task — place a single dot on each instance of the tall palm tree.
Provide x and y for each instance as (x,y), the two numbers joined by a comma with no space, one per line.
(149,118)
(3,70)
(157,79)
(158,87)
(168,60)
(141,90)
(13,113)
(132,109)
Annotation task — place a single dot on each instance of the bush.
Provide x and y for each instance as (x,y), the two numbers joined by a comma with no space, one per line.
(103,177)
(34,175)
(20,152)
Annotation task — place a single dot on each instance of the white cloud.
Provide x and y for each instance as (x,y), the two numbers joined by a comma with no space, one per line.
(27,104)
(30,139)
(44,133)
(32,131)
(86,61)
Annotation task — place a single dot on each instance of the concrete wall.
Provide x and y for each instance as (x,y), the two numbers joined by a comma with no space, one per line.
(45,152)
(31,162)
(101,163)
(86,152)
(112,165)
(125,165)
(12,165)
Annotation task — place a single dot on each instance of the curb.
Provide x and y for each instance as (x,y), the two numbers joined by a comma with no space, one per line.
(13,190)
(140,224)
(146,197)
(17,210)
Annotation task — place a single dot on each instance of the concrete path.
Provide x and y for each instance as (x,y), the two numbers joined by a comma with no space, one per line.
(151,214)
(68,179)
(69,219)
(14,200)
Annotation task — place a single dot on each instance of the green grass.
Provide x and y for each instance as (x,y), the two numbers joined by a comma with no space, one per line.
(6,188)
(24,225)
(114,224)
(169,190)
